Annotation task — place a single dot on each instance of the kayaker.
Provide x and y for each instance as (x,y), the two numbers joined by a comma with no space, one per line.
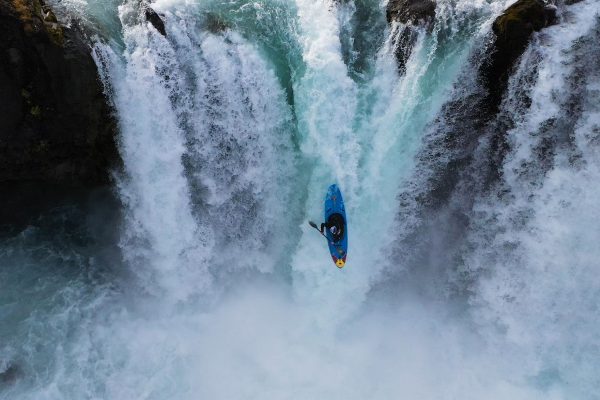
(334,226)
(333,229)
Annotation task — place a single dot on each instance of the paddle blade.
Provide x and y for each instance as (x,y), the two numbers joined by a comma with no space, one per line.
(313,225)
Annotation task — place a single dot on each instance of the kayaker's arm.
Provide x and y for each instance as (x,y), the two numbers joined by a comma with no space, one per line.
(317,228)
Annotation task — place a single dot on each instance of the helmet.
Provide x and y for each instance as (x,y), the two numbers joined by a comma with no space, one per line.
(340,263)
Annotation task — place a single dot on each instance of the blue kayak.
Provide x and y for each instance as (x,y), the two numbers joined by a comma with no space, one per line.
(335,216)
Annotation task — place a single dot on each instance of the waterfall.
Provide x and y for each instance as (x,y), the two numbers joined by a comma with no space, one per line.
(472,263)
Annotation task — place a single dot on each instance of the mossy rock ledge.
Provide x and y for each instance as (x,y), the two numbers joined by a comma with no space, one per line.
(55,122)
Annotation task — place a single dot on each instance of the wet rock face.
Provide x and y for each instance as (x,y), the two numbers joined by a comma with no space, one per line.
(155,19)
(411,11)
(412,14)
(55,123)
(10,374)
(405,40)
(477,139)
(513,30)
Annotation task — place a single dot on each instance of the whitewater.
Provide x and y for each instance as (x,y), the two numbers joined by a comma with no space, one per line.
(198,276)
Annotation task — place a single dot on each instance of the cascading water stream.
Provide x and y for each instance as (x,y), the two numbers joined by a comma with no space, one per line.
(539,248)
(165,248)
(232,126)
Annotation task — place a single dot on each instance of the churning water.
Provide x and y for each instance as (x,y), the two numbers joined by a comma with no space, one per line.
(206,282)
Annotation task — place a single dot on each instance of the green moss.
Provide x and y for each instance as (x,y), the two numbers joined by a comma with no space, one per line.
(49,15)
(41,147)
(55,33)
(36,111)
(53,28)
(37,7)
(33,12)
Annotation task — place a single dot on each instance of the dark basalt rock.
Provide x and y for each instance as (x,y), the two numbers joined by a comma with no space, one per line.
(513,30)
(411,11)
(55,123)
(24,204)
(155,19)
(10,375)
(412,14)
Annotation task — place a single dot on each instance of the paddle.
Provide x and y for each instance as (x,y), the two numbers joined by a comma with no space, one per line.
(317,228)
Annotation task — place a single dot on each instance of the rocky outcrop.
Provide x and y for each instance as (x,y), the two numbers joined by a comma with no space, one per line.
(411,11)
(155,19)
(10,374)
(479,110)
(512,33)
(470,131)
(411,14)
(55,123)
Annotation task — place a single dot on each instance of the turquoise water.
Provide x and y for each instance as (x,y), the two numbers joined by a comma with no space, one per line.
(208,283)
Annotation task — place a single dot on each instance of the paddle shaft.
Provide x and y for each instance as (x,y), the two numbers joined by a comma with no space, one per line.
(318,230)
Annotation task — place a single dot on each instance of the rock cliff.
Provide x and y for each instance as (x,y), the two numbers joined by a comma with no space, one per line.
(55,123)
